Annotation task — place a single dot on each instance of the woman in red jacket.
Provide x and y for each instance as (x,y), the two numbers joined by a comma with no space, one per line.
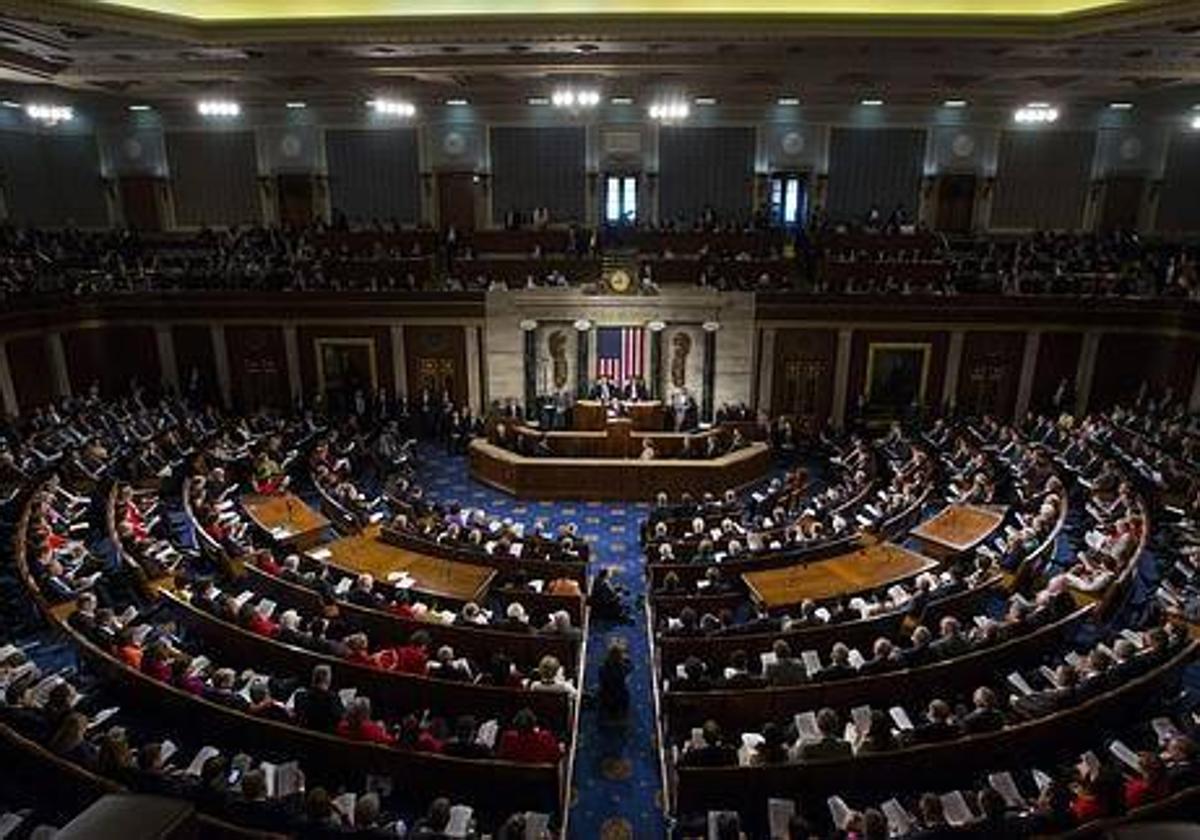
(358,726)
(528,743)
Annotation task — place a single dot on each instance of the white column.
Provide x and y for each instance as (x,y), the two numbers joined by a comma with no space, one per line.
(58,365)
(1086,370)
(954,355)
(841,377)
(167,363)
(1194,400)
(8,393)
(474,397)
(1033,341)
(291,352)
(766,369)
(221,360)
(399,363)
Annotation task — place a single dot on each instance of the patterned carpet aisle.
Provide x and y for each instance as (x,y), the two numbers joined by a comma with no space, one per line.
(616,785)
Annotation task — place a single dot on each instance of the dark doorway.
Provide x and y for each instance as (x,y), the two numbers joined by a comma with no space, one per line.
(295,196)
(1122,201)
(456,200)
(140,203)
(956,203)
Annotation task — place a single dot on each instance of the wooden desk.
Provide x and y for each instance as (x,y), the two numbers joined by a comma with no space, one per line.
(589,416)
(847,574)
(613,478)
(958,528)
(287,519)
(433,575)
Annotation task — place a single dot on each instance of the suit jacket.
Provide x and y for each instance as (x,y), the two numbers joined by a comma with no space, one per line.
(827,749)
(789,671)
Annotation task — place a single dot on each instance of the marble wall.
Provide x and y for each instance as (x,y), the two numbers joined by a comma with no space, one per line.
(683,311)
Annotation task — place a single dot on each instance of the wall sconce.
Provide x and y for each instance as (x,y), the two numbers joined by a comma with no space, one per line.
(583,325)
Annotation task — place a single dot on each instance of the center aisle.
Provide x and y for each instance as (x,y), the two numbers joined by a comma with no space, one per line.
(616,786)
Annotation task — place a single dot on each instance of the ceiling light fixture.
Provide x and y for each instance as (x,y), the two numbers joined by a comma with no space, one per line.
(706,100)
(139,107)
(1196,124)
(1120,106)
(871,103)
(788,100)
(621,100)
(1036,113)
(567,98)
(295,106)
(457,101)
(8,103)
(392,108)
(955,103)
(218,108)
(49,114)
(669,111)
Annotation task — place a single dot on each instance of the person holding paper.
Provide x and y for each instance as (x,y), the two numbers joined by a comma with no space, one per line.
(359,726)
(830,747)
(319,707)
(526,742)
(1150,783)
(711,750)
(985,716)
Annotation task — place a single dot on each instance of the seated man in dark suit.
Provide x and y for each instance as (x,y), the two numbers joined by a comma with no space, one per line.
(938,726)
(952,641)
(737,674)
(1042,703)
(319,707)
(694,678)
(786,669)
(713,751)
(831,747)
(986,716)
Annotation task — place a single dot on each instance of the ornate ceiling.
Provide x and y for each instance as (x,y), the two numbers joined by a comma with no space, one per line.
(169,53)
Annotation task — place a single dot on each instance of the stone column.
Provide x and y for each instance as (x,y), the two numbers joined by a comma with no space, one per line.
(766,369)
(1086,370)
(1033,341)
(399,363)
(954,355)
(291,353)
(474,391)
(167,363)
(61,378)
(8,392)
(841,377)
(710,375)
(221,361)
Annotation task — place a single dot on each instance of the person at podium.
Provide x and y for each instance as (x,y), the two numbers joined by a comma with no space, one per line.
(604,389)
(635,390)
(683,410)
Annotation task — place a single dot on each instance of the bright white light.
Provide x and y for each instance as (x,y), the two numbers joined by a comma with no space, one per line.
(788,100)
(538,100)
(1196,124)
(668,111)
(955,103)
(218,108)
(139,107)
(622,100)
(49,114)
(567,98)
(8,103)
(295,106)
(1036,113)
(1121,106)
(392,108)
(456,101)
(871,103)
(706,100)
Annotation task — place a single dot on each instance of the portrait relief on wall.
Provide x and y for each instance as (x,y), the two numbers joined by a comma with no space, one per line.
(897,374)
(681,346)
(557,342)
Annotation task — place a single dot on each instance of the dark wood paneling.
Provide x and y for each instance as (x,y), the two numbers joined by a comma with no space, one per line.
(29,361)
(113,357)
(257,366)
(195,361)
(441,348)
(1058,359)
(860,352)
(140,202)
(989,372)
(307,338)
(1126,360)
(802,380)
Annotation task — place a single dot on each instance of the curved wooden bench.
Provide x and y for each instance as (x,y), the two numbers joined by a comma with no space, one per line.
(932,766)
(496,788)
(390,690)
(745,710)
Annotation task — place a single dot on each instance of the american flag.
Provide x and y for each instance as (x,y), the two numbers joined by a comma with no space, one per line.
(619,352)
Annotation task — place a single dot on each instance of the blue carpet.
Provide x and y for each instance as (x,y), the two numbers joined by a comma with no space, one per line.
(616,789)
